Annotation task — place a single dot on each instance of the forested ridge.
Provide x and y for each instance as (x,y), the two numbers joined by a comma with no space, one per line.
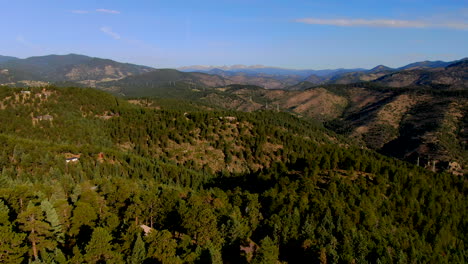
(90,178)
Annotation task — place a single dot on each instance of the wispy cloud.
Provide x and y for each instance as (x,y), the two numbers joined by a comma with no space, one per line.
(383,23)
(108,31)
(23,41)
(80,12)
(109,11)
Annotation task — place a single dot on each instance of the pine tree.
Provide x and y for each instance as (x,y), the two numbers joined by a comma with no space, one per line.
(11,245)
(162,246)
(268,252)
(215,254)
(4,214)
(201,223)
(99,247)
(139,251)
(40,235)
(53,219)
(59,257)
(77,256)
(83,215)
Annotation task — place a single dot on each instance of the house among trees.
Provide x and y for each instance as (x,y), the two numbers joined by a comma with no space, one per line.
(146,229)
(45,117)
(228,118)
(44,93)
(108,115)
(26,92)
(72,159)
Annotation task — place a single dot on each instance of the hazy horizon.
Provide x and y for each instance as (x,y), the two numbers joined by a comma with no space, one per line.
(233,66)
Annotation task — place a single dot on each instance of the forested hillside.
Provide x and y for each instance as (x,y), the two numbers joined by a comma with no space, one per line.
(424,125)
(90,178)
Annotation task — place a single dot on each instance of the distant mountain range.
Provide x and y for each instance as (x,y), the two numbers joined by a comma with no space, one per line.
(260,69)
(419,74)
(308,77)
(80,70)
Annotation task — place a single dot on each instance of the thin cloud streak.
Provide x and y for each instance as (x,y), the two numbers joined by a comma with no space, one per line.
(108,31)
(382,23)
(109,11)
(80,12)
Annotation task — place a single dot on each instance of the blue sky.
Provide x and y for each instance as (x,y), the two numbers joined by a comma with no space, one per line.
(288,33)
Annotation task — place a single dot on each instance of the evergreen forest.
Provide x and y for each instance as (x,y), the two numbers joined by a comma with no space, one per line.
(87,177)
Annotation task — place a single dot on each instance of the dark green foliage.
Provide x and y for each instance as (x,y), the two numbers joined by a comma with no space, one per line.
(139,251)
(132,198)
(99,248)
(268,252)
(32,221)
(12,249)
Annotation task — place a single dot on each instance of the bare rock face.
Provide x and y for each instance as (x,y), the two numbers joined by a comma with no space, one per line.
(102,72)
(98,73)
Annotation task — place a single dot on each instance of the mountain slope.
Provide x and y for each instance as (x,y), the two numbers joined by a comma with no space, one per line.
(163,82)
(86,117)
(72,67)
(454,76)
(357,76)
(268,77)
(6,58)
(378,117)
(426,65)
(380,71)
